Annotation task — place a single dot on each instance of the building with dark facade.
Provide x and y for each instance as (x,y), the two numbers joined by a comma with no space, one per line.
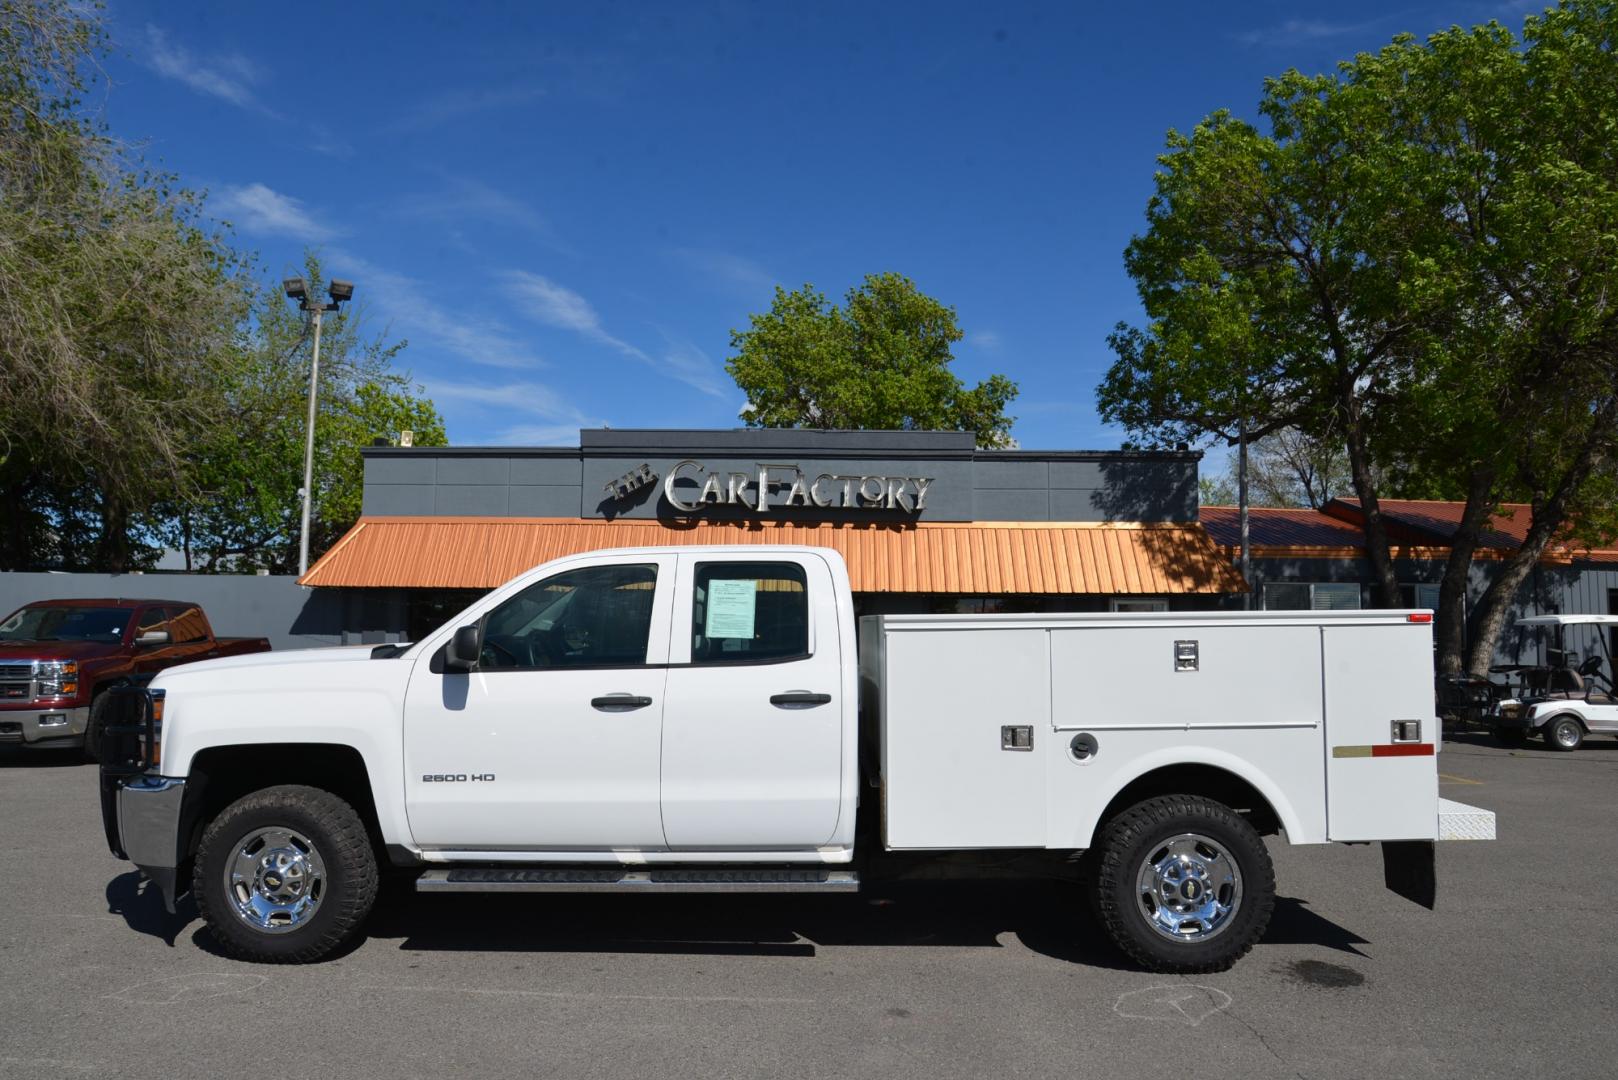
(925,520)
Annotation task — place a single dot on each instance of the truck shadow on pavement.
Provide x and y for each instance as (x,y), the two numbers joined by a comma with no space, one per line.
(11,757)
(1049,918)
(140,903)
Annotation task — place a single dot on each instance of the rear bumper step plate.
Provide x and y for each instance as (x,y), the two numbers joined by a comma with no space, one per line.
(670,880)
(1458,821)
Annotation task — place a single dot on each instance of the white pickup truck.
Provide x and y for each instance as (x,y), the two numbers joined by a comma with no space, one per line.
(711,719)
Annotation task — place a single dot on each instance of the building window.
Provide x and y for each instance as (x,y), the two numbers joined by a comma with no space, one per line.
(1311,596)
(1420,595)
(1612,609)
(1138,603)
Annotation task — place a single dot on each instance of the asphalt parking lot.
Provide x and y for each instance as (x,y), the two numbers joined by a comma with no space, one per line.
(1512,976)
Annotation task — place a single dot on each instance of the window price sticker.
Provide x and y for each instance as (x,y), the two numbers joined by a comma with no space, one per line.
(732,604)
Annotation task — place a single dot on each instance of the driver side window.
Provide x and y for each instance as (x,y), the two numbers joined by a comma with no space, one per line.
(600,616)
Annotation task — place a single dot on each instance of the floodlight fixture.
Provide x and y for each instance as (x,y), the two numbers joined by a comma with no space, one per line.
(340,291)
(296,288)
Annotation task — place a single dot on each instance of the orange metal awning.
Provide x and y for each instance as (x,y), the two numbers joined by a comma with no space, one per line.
(962,559)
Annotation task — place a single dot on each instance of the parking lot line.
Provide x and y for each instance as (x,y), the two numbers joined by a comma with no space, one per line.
(1449,779)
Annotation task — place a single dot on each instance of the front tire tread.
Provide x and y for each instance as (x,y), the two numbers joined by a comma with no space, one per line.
(345,846)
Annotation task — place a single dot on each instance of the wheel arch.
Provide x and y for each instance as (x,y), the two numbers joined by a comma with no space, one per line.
(1266,811)
(1569,714)
(219,775)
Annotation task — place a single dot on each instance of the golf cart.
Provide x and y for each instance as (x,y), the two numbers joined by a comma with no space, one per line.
(1567,700)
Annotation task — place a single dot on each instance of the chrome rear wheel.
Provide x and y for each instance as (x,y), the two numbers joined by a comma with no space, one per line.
(1182,883)
(1189,888)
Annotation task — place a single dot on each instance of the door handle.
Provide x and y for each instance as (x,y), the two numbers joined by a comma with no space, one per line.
(799,699)
(620,702)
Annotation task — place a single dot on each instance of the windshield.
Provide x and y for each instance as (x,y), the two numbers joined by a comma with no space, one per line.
(100,624)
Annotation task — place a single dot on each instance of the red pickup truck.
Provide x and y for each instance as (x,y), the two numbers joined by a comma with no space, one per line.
(56,656)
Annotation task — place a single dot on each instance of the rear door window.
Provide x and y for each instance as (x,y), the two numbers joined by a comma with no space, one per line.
(749,612)
(187,625)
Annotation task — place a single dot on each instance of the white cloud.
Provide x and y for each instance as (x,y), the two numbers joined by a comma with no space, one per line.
(693,367)
(559,419)
(328,142)
(226,76)
(987,340)
(1299,31)
(453,104)
(730,272)
(556,305)
(466,198)
(260,209)
(540,435)
(409,305)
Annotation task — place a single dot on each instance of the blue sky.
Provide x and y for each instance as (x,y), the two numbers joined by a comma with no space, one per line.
(567,208)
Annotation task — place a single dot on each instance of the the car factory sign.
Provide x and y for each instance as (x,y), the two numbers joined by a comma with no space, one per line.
(690,487)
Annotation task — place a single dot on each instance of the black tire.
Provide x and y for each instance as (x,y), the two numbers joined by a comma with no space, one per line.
(1510,736)
(93,725)
(1564,733)
(348,886)
(1124,845)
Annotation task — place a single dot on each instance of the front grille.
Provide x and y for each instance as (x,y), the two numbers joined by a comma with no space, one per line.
(17,681)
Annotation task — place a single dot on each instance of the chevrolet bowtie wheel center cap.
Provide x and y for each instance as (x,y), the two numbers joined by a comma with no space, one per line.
(1189,887)
(276,880)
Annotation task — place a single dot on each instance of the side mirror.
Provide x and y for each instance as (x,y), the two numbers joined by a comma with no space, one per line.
(152,637)
(461,654)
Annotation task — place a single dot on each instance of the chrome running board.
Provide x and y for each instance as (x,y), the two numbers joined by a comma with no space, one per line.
(671,880)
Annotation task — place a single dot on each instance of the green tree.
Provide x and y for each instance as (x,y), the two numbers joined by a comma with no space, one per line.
(879,362)
(244,512)
(1285,469)
(1417,259)
(118,304)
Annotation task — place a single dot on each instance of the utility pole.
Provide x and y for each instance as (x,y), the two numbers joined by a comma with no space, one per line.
(1241,510)
(298,289)
(309,453)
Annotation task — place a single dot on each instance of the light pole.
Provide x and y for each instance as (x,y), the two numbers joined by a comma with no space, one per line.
(297,289)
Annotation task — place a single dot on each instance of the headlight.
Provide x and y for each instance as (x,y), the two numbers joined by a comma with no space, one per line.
(58,678)
(153,754)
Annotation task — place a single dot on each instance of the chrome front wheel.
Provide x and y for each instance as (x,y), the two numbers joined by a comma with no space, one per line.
(276,879)
(1189,888)
(285,874)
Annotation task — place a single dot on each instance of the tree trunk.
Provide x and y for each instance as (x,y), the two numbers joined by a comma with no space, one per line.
(1548,517)
(1495,605)
(112,546)
(1384,583)
(1449,625)
(16,548)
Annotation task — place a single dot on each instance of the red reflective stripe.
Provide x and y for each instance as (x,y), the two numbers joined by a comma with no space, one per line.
(1406,749)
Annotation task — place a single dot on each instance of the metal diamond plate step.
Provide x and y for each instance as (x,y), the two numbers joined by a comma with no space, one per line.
(1458,821)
